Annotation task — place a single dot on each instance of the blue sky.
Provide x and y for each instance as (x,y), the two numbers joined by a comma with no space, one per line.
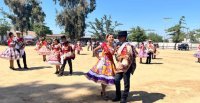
(148,14)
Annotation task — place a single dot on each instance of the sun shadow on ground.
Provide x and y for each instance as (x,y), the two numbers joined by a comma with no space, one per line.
(156,63)
(66,73)
(142,96)
(35,92)
(158,58)
(82,54)
(34,68)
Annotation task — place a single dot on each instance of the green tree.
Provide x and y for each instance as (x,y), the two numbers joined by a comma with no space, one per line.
(103,26)
(137,34)
(24,13)
(73,16)
(192,36)
(41,30)
(176,32)
(4,27)
(154,37)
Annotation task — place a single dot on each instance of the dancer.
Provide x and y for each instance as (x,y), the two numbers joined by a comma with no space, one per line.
(67,55)
(43,50)
(88,45)
(54,57)
(155,51)
(103,72)
(150,48)
(125,65)
(142,52)
(37,46)
(10,53)
(197,54)
(20,45)
(78,47)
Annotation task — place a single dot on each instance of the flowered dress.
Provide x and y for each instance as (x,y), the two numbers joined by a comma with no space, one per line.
(10,53)
(197,54)
(104,71)
(54,57)
(43,49)
(142,52)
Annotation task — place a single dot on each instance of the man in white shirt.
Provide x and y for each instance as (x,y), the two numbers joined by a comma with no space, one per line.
(20,45)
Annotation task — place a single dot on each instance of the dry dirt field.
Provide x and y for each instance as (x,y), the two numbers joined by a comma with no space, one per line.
(172,78)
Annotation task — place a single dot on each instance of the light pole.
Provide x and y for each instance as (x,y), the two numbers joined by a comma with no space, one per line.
(166,19)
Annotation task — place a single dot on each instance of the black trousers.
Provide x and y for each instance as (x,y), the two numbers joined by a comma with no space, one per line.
(24,59)
(126,77)
(148,61)
(63,66)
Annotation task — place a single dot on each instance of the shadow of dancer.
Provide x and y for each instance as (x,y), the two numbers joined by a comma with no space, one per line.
(145,97)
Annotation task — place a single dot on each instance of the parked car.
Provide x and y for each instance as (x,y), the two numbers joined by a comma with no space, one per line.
(183,46)
(30,42)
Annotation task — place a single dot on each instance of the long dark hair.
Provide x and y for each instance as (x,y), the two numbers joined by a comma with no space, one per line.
(10,34)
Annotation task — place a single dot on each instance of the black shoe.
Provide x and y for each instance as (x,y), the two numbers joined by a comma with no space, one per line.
(26,68)
(56,72)
(13,68)
(60,74)
(123,100)
(116,99)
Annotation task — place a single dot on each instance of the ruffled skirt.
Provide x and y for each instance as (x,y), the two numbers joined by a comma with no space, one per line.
(102,72)
(44,51)
(10,54)
(54,58)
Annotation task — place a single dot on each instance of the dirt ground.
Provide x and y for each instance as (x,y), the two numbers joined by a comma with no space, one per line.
(172,78)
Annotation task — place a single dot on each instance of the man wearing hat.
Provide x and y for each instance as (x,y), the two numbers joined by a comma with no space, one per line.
(66,49)
(125,65)
(20,45)
(150,48)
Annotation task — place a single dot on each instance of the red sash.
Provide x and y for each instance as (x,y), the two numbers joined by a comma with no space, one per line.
(107,51)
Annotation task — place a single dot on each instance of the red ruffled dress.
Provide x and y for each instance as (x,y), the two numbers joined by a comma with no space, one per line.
(54,57)
(10,53)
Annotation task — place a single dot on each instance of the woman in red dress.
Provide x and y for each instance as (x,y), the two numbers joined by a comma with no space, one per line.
(43,50)
(11,53)
(78,47)
(54,57)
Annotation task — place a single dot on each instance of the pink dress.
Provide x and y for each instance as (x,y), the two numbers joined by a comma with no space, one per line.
(142,52)
(44,50)
(197,54)
(54,57)
(37,46)
(78,47)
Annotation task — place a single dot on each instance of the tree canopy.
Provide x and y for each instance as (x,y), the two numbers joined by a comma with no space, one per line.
(103,26)
(155,37)
(137,34)
(24,13)
(176,31)
(41,30)
(73,16)
(4,27)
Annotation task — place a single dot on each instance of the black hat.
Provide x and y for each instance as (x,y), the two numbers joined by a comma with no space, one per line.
(122,34)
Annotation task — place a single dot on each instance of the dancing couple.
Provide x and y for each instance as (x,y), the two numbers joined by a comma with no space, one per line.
(107,72)
(15,50)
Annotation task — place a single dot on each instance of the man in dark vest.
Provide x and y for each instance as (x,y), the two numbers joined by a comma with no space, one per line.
(125,65)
